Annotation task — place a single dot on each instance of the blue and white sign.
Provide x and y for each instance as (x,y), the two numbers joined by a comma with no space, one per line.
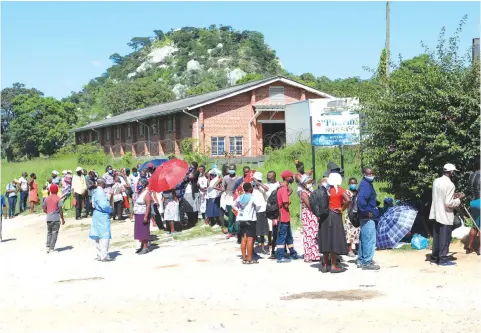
(335,130)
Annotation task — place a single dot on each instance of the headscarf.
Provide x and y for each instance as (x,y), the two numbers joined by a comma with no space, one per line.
(334,180)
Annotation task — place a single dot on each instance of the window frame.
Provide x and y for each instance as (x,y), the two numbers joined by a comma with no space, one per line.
(170,121)
(271,95)
(107,135)
(141,130)
(233,147)
(216,153)
(129,130)
(117,133)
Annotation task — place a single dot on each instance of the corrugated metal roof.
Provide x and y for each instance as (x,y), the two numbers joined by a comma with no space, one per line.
(174,106)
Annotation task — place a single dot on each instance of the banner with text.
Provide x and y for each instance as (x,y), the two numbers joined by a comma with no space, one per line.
(335,130)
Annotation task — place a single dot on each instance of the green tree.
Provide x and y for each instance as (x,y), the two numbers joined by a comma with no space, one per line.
(428,116)
(41,125)
(131,95)
(116,58)
(139,42)
(159,34)
(250,77)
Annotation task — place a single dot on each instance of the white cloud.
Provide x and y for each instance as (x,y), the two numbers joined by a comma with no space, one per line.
(96,63)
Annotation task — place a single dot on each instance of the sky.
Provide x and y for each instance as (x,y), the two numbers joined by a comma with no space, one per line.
(57,47)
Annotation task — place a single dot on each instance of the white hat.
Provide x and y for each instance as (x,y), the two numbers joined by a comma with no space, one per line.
(64,172)
(69,171)
(55,172)
(449,167)
(258,176)
(78,169)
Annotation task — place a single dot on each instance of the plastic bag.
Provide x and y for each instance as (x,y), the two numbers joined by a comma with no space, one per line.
(419,242)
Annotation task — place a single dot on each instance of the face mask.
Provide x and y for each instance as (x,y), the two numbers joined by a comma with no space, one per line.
(200,174)
(231,172)
(253,183)
(79,173)
(397,202)
(136,174)
(352,187)
(325,185)
(370,179)
(111,172)
(140,187)
(291,181)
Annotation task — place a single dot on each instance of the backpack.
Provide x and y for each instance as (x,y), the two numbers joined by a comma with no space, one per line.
(319,202)
(352,212)
(272,207)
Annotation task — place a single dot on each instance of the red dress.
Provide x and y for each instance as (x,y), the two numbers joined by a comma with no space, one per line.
(33,193)
(310,226)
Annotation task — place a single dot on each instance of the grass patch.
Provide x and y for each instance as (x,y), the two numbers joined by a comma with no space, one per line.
(196,232)
(123,244)
(81,226)
(404,248)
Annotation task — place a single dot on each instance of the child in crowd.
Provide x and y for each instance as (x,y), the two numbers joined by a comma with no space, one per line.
(171,210)
(44,194)
(118,199)
(247,205)
(52,206)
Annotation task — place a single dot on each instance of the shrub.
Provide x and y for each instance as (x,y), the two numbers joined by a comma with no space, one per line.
(91,154)
(127,158)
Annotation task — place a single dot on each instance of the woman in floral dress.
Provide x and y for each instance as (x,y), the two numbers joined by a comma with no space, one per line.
(310,225)
(352,233)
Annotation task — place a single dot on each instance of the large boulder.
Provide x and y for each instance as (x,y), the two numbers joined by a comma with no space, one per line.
(179,90)
(193,66)
(159,55)
(235,75)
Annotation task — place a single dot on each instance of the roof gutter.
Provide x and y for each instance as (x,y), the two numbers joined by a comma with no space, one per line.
(197,131)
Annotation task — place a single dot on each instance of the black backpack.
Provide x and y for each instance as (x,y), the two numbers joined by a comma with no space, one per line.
(352,212)
(272,207)
(319,202)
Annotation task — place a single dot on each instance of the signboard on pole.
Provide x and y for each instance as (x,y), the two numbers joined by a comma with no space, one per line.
(335,129)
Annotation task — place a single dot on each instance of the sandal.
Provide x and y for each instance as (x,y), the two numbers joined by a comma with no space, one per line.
(253,262)
(244,262)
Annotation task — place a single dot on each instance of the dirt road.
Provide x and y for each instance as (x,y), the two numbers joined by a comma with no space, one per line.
(201,286)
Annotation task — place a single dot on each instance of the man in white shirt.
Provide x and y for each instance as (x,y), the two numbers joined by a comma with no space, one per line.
(23,191)
(79,187)
(444,199)
(247,206)
(260,194)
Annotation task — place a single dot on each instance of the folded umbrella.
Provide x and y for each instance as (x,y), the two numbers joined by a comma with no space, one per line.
(168,175)
(394,225)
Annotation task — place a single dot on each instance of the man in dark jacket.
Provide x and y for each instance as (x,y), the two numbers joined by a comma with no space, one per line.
(368,214)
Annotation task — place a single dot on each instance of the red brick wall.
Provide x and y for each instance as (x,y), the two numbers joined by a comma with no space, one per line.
(229,117)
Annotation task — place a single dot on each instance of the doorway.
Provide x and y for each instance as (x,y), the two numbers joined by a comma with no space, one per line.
(273,135)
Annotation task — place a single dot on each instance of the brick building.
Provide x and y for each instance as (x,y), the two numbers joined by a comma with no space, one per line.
(240,120)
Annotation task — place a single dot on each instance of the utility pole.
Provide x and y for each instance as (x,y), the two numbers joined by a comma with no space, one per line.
(388,36)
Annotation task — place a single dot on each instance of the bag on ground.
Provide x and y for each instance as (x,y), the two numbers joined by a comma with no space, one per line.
(419,242)
(319,202)
(352,212)
(272,207)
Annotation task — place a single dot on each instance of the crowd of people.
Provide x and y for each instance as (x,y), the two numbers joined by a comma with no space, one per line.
(245,207)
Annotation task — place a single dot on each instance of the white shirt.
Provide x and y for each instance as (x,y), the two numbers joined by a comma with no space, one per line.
(443,201)
(23,184)
(133,181)
(211,192)
(260,197)
(272,188)
(202,182)
(249,212)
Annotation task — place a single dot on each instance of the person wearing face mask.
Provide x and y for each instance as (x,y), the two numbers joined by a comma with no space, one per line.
(133,179)
(202,183)
(332,237)
(273,185)
(284,233)
(109,181)
(141,212)
(352,232)
(100,226)
(228,183)
(310,225)
(79,187)
(368,214)
(444,199)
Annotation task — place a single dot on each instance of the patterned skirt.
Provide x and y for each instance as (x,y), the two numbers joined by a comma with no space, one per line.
(310,227)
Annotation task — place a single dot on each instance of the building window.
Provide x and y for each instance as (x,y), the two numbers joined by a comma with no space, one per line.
(217,145)
(235,145)
(128,130)
(141,130)
(155,128)
(118,132)
(276,95)
(107,134)
(170,124)
(90,136)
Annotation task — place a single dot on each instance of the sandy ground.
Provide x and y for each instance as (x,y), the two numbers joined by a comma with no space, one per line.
(201,286)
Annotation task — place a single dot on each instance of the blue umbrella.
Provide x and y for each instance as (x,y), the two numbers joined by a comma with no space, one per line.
(394,225)
(156,163)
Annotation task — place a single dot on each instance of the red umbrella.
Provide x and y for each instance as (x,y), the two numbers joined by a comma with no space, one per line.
(168,175)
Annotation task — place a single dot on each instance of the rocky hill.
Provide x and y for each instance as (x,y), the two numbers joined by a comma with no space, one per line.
(173,65)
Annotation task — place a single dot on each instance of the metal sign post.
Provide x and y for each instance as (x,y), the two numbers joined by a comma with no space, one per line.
(313,153)
(342,157)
